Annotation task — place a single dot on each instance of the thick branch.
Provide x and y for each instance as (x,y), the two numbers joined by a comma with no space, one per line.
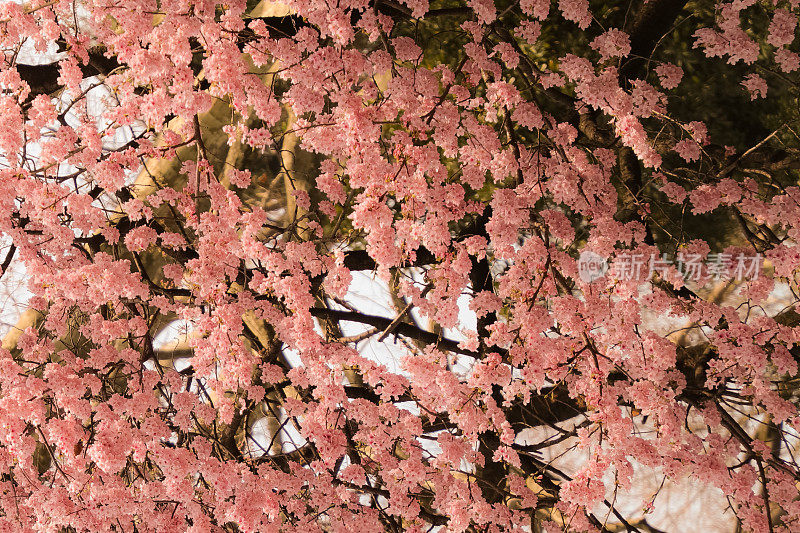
(652,21)
(407,330)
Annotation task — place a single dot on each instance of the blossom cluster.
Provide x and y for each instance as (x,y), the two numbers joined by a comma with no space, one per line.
(229,169)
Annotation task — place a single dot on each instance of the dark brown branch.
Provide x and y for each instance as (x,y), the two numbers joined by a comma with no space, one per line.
(361,260)
(7,261)
(652,21)
(406,330)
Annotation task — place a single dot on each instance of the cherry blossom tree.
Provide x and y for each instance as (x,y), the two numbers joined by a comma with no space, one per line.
(231,171)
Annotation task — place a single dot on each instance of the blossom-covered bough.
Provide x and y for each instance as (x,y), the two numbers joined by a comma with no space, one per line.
(234,167)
